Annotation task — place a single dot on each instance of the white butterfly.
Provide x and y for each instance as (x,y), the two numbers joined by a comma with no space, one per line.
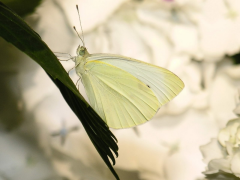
(125,92)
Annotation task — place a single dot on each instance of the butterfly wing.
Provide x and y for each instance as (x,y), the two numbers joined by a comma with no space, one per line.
(165,84)
(121,99)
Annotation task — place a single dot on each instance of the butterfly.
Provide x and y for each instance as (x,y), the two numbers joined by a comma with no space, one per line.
(125,92)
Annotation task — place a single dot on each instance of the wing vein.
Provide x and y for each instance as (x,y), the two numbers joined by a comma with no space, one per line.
(122,84)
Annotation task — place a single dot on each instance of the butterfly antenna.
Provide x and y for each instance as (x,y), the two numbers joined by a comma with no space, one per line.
(78,35)
(80,23)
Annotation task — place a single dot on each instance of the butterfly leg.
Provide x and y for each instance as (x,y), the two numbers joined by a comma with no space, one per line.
(63,53)
(70,70)
(77,83)
(66,59)
(71,57)
(73,68)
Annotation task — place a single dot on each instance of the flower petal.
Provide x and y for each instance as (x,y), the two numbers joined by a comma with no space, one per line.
(212,150)
(235,164)
(219,164)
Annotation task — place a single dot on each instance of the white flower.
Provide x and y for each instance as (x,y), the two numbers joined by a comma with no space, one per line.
(231,133)
(219,27)
(224,153)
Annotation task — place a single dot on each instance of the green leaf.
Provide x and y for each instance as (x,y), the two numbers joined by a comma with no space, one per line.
(235,58)
(14,30)
(22,7)
(221,175)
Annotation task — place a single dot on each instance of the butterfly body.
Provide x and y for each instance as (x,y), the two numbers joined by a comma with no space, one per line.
(125,92)
(80,60)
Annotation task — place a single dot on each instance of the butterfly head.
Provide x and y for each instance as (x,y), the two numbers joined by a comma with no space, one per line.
(82,51)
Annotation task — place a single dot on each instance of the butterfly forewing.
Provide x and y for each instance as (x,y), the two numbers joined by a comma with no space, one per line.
(165,84)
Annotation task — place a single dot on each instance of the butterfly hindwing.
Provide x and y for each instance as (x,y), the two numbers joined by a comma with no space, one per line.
(121,99)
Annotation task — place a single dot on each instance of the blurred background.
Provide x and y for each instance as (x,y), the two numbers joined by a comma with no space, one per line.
(41,138)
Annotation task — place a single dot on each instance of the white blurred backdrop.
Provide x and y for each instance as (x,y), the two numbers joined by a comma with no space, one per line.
(42,139)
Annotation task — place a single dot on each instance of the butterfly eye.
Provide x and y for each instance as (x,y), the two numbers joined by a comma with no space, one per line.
(81,51)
